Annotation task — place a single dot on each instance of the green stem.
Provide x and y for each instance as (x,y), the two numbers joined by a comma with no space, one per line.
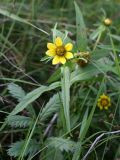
(97,41)
(115,54)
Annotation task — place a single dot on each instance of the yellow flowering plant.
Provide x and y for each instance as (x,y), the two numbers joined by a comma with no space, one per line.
(59,51)
(104,102)
(80,71)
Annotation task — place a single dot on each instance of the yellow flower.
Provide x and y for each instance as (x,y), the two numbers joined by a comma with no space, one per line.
(59,51)
(107,21)
(104,102)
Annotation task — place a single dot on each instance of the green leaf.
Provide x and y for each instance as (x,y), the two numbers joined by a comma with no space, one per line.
(16,148)
(57,33)
(51,107)
(116,37)
(66,96)
(17,18)
(78,146)
(55,76)
(109,47)
(53,153)
(19,121)
(16,91)
(32,96)
(61,144)
(99,53)
(64,37)
(91,70)
(84,121)
(81,30)
(86,125)
(97,32)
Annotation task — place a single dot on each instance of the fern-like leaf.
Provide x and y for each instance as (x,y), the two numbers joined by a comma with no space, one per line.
(19,121)
(61,144)
(16,91)
(17,147)
(51,107)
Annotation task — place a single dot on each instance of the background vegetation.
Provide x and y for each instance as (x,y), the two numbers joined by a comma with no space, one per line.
(27,135)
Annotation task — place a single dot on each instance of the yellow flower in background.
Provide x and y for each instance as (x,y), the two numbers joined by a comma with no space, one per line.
(59,51)
(104,102)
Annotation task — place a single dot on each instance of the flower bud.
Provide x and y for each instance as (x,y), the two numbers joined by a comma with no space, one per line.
(107,21)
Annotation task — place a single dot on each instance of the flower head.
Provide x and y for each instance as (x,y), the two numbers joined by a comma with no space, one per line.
(104,102)
(107,21)
(59,51)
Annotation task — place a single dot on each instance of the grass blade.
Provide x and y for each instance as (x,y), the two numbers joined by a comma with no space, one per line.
(17,18)
(81,29)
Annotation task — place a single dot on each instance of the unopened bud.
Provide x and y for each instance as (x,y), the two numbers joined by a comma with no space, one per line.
(107,21)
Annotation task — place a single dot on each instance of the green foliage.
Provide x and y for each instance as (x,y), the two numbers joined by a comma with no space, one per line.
(66,96)
(16,148)
(16,91)
(81,38)
(30,97)
(52,106)
(14,17)
(56,116)
(19,121)
(61,143)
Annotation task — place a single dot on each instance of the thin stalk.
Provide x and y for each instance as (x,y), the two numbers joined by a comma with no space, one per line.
(97,41)
(115,54)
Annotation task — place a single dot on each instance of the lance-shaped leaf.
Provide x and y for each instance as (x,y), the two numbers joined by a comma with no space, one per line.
(81,30)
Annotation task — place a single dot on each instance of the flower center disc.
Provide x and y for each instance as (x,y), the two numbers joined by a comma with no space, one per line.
(60,51)
(104,102)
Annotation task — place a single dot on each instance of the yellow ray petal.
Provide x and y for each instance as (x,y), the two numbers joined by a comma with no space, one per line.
(62,60)
(58,42)
(51,46)
(68,46)
(55,60)
(51,53)
(106,107)
(101,108)
(68,55)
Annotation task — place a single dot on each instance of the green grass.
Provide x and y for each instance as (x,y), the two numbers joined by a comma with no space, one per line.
(50,112)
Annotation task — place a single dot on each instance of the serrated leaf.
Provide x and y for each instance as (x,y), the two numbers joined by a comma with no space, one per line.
(16,91)
(32,96)
(81,30)
(16,148)
(19,121)
(51,107)
(61,144)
